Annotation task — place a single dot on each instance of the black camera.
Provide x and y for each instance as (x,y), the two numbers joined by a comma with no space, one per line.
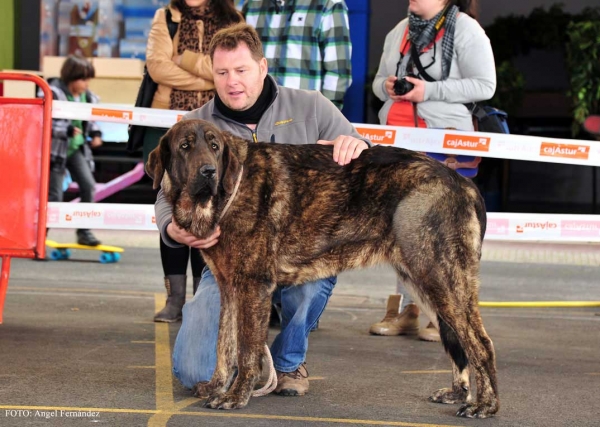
(403,86)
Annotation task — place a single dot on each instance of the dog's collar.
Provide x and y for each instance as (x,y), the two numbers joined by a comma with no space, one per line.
(233,194)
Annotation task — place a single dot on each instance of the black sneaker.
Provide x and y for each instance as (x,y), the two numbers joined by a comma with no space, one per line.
(86,238)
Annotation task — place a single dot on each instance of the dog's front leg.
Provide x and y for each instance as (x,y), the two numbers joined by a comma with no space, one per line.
(253,327)
(226,348)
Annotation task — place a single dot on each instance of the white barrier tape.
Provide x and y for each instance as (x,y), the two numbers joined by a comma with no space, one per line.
(498,145)
(500,226)
(106,216)
(514,147)
(116,113)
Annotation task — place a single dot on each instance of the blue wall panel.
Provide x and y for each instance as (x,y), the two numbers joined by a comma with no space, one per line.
(354,101)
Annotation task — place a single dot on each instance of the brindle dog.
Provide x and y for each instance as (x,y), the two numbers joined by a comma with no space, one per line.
(293,215)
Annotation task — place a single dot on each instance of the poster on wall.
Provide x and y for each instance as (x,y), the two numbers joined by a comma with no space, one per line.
(96,28)
(83,23)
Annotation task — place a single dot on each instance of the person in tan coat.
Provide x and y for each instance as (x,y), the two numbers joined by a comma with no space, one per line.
(182,69)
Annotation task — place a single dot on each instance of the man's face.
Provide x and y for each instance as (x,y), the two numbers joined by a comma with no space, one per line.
(239,79)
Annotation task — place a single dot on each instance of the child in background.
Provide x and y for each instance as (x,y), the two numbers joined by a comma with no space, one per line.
(72,140)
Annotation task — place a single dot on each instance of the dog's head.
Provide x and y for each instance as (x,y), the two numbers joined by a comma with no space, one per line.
(195,163)
(194,157)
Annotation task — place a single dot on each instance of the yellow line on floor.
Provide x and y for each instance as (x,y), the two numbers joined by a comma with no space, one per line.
(547,304)
(216,414)
(87,291)
(186,402)
(165,402)
(162,349)
(427,372)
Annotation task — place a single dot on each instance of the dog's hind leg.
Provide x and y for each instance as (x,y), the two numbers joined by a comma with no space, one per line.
(468,345)
(253,324)
(455,310)
(483,360)
(460,391)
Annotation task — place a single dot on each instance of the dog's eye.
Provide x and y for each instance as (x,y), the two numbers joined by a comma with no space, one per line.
(214,146)
(184,146)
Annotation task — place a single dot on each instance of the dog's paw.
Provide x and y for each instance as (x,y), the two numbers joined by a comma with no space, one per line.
(202,390)
(226,401)
(449,396)
(474,410)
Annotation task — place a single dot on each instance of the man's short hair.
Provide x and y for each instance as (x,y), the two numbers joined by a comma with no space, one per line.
(229,39)
(76,67)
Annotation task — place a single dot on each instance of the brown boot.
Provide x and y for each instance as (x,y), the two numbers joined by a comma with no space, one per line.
(292,383)
(405,323)
(429,334)
(175,285)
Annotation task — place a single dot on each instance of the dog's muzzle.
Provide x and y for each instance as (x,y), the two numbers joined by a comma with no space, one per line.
(208,171)
(205,183)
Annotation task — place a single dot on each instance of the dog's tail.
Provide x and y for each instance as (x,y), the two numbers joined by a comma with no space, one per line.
(480,210)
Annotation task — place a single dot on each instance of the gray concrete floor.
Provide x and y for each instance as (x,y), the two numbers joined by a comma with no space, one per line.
(78,338)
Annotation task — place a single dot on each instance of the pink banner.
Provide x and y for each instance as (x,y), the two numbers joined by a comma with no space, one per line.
(114,217)
(574,228)
(497,227)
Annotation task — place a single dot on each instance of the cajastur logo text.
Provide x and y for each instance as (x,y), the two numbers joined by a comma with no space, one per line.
(568,151)
(467,142)
(378,136)
(537,226)
(117,114)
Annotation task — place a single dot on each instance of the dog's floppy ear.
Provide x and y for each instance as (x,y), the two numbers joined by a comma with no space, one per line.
(159,160)
(231,163)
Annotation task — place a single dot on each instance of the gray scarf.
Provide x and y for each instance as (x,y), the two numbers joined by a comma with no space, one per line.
(422,32)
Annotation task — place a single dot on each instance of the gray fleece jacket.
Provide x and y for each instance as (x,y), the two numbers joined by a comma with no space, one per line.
(295,116)
(472,75)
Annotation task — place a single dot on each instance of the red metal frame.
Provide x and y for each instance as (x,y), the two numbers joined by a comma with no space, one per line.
(39,251)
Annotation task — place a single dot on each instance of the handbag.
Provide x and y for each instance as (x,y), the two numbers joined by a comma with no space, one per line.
(145,95)
(489,119)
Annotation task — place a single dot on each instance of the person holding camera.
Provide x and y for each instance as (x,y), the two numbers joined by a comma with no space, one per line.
(434,62)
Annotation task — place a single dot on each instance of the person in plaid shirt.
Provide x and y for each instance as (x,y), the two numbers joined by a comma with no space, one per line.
(306,43)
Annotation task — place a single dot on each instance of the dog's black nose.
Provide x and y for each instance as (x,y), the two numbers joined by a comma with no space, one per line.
(208,171)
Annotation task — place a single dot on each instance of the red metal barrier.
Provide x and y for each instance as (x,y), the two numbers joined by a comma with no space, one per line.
(25,139)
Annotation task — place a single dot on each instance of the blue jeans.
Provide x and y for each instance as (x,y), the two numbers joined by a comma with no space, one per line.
(195,350)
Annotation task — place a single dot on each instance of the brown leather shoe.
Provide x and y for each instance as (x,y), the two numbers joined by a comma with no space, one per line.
(405,323)
(429,334)
(292,383)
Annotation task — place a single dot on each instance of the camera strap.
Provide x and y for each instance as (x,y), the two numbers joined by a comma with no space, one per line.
(414,56)
(439,32)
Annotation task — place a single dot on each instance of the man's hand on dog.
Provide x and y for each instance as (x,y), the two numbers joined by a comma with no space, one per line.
(345,148)
(181,236)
